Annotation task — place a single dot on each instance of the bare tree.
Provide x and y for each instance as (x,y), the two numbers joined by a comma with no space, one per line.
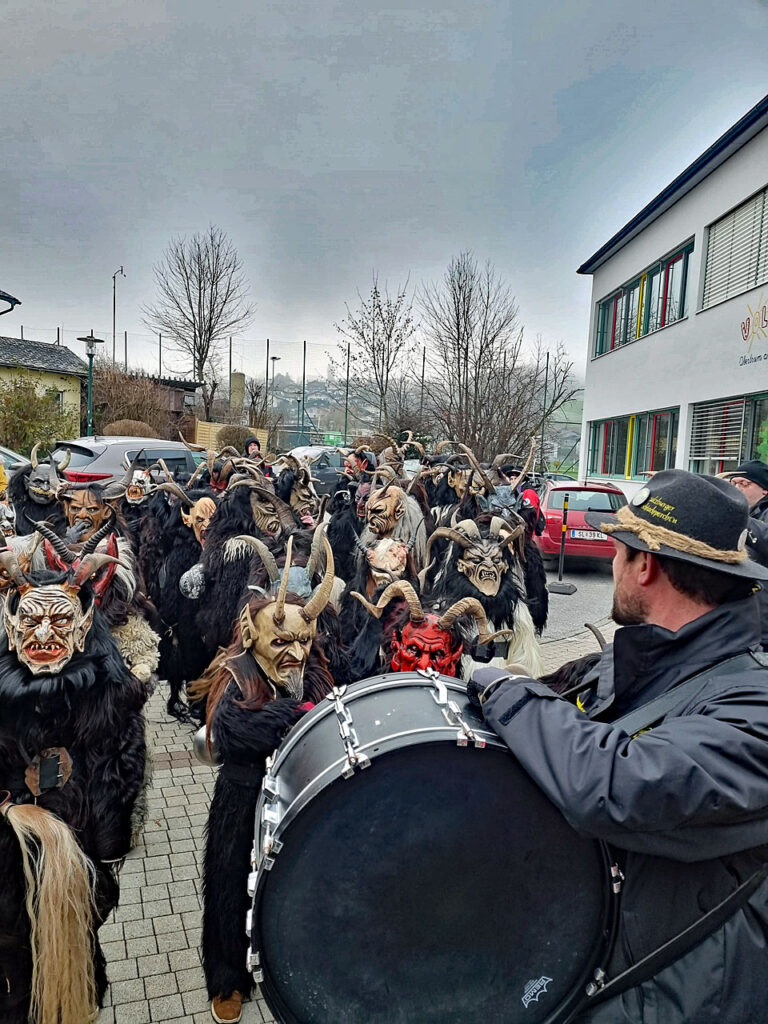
(380,333)
(255,400)
(202,299)
(488,391)
(118,395)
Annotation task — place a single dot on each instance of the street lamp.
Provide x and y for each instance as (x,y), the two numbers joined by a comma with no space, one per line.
(114,308)
(274,360)
(90,351)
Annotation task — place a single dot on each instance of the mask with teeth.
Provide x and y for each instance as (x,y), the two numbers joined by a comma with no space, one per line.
(139,488)
(483,564)
(199,518)
(7,519)
(386,507)
(47,627)
(86,507)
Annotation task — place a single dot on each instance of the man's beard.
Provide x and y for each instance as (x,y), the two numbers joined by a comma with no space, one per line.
(628,612)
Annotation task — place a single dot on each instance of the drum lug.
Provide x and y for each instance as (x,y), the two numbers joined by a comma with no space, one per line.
(248,922)
(252,877)
(355,759)
(253,964)
(271,786)
(452,713)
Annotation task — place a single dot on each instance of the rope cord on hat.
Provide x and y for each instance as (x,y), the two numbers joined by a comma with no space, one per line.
(654,536)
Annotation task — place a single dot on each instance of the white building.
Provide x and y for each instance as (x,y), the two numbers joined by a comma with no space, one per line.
(677,373)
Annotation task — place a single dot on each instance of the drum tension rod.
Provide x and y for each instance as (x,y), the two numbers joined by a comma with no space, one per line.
(451,711)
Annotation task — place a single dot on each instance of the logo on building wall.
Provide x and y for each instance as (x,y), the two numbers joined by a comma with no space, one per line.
(755,326)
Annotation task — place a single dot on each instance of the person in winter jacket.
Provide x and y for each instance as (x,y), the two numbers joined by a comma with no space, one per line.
(680,793)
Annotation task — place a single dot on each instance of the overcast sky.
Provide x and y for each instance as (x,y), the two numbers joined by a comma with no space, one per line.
(330,138)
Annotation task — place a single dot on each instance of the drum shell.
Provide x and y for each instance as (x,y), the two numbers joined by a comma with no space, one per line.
(385,716)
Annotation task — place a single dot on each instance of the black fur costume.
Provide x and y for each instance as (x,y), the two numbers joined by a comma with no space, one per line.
(93,708)
(344,527)
(27,508)
(244,738)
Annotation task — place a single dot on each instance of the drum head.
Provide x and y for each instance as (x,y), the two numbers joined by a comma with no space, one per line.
(437,886)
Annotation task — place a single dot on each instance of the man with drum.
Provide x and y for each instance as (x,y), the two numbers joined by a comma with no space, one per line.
(663,756)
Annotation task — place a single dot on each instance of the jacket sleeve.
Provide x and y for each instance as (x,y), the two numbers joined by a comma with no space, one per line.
(693,788)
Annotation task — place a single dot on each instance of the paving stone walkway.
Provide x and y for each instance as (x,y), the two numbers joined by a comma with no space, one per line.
(152,939)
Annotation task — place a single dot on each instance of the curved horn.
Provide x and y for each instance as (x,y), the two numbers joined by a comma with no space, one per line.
(54,540)
(314,554)
(195,475)
(33,455)
(261,549)
(9,562)
(53,477)
(322,595)
(128,478)
(173,488)
(168,474)
(497,525)
(478,468)
(451,534)
(230,452)
(93,541)
(280,604)
(469,528)
(526,468)
(596,633)
(66,460)
(89,566)
(501,459)
(400,588)
(471,606)
(412,542)
(192,447)
(210,458)
(440,445)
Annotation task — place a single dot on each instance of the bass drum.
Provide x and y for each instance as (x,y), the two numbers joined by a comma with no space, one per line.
(407,870)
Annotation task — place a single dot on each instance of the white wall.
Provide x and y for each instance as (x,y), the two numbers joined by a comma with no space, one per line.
(703,356)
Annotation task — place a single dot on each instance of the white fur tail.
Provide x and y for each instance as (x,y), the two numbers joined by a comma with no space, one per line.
(59,902)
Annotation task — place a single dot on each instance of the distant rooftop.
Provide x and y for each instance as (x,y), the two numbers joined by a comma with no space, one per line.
(40,355)
(738,135)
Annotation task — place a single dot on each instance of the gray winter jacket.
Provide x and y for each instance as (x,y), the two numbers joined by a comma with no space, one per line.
(683,807)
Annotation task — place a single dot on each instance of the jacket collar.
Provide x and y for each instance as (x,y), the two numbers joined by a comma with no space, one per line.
(644,661)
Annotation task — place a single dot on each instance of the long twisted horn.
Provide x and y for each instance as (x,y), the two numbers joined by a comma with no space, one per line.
(322,595)
(314,554)
(478,468)
(173,488)
(266,556)
(400,588)
(526,468)
(92,543)
(280,603)
(55,541)
(192,447)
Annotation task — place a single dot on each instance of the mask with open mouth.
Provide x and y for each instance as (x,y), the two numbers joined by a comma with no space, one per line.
(86,507)
(46,623)
(7,519)
(199,518)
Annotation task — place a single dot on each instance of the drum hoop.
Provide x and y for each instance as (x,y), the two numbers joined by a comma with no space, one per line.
(384,681)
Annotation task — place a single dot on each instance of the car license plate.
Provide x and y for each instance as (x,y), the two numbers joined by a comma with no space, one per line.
(587,535)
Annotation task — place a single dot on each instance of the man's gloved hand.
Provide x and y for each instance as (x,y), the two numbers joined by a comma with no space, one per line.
(75,532)
(485,681)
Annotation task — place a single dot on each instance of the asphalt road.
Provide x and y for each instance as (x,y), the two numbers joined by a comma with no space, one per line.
(591,602)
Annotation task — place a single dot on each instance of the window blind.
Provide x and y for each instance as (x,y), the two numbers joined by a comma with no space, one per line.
(737,251)
(717,429)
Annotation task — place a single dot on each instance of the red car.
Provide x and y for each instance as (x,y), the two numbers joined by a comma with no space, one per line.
(581,540)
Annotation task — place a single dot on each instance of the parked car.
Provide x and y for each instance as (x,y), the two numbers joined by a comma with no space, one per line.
(581,540)
(11,459)
(101,459)
(324,470)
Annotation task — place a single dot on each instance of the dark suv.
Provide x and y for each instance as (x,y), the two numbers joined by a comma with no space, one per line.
(104,458)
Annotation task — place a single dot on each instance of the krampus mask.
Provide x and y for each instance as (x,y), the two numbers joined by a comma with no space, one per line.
(7,519)
(386,507)
(199,514)
(482,560)
(279,637)
(427,639)
(42,482)
(61,559)
(47,623)
(294,485)
(88,507)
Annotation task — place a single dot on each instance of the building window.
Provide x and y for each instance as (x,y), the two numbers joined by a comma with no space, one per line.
(655,299)
(634,445)
(60,400)
(737,251)
(717,435)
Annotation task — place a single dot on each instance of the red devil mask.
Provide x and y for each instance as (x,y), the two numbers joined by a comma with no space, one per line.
(425,645)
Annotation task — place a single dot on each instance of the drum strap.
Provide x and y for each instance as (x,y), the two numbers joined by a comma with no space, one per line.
(678,945)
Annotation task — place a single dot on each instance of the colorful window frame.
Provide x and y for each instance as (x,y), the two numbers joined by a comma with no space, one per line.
(634,446)
(654,299)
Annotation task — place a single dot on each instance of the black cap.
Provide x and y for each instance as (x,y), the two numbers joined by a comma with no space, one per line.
(754,470)
(691,518)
